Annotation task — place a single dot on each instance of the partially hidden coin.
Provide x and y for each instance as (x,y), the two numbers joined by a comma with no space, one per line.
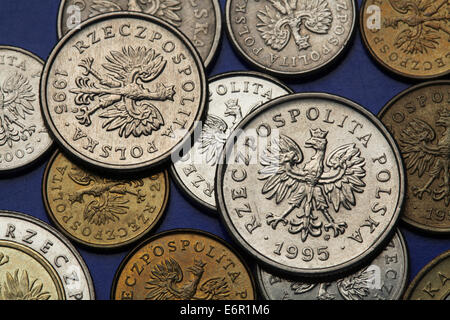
(231,97)
(123,92)
(384,278)
(200,21)
(311,184)
(419,119)
(100,211)
(432,282)
(290,38)
(38,263)
(408,38)
(183,264)
(23,136)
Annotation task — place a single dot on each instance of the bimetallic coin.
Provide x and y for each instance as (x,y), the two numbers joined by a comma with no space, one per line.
(290,37)
(100,211)
(123,92)
(183,264)
(231,97)
(38,263)
(419,119)
(432,282)
(311,184)
(23,136)
(409,38)
(384,279)
(200,21)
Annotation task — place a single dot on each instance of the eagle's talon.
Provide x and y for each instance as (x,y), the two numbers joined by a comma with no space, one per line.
(418,192)
(140,196)
(338,228)
(84,117)
(30,130)
(273,221)
(75,197)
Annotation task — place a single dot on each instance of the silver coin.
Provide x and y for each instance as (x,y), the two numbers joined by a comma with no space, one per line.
(231,97)
(310,184)
(23,136)
(38,263)
(384,279)
(290,37)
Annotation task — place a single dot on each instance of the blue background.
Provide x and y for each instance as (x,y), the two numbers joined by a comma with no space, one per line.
(31,24)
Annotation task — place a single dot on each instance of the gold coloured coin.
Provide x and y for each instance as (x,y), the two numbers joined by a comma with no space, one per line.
(433,281)
(409,38)
(99,211)
(183,264)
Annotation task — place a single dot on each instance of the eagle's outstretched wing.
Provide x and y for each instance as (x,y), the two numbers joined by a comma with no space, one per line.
(162,275)
(355,286)
(103,6)
(278,160)
(345,177)
(108,208)
(18,96)
(213,138)
(302,287)
(316,14)
(273,28)
(164,9)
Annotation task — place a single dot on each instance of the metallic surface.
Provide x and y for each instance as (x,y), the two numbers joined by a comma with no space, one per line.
(384,279)
(38,263)
(183,264)
(432,282)
(200,21)
(231,97)
(23,136)
(100,211)
(290,37)
(409,38)
(419,119)
(123,92)
(320,194)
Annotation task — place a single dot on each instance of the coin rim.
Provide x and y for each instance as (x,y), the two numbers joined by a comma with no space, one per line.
(51,214)
(380,114)
(31,163)
(262,68)
(154,162)
(176,231)
(380,61)
(335,269)
(215,43)
(61,237)
(423,272)
(174,174)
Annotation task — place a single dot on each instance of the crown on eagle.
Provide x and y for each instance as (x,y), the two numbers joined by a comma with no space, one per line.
(232,103)
(318,133)
(444,113)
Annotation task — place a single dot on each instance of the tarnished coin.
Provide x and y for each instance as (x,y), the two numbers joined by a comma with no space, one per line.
(432,282)
(419,119)
(384,279)
(231,97)
(183,264)
(38,263)
(409,38)
(124,91)
(200,21)
(23,136)
(311,184)
(292,37)
(100,211)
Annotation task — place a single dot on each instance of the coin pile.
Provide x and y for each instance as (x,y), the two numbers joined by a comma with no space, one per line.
(310,186)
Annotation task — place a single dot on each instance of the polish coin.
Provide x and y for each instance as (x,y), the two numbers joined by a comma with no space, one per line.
(419,119)
(123,92)
(384,279)
(432,282)
(310,184)
(200,21)
(231,97)
(100,211)
(290,37)
(23,136)
(38,263)
(408,38)
(183,264)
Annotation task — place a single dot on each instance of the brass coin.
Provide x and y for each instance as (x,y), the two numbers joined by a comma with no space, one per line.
(433,281)
(98,211)
(183,264)
(419,120)
(123,92)
(200,21)
(409,38)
